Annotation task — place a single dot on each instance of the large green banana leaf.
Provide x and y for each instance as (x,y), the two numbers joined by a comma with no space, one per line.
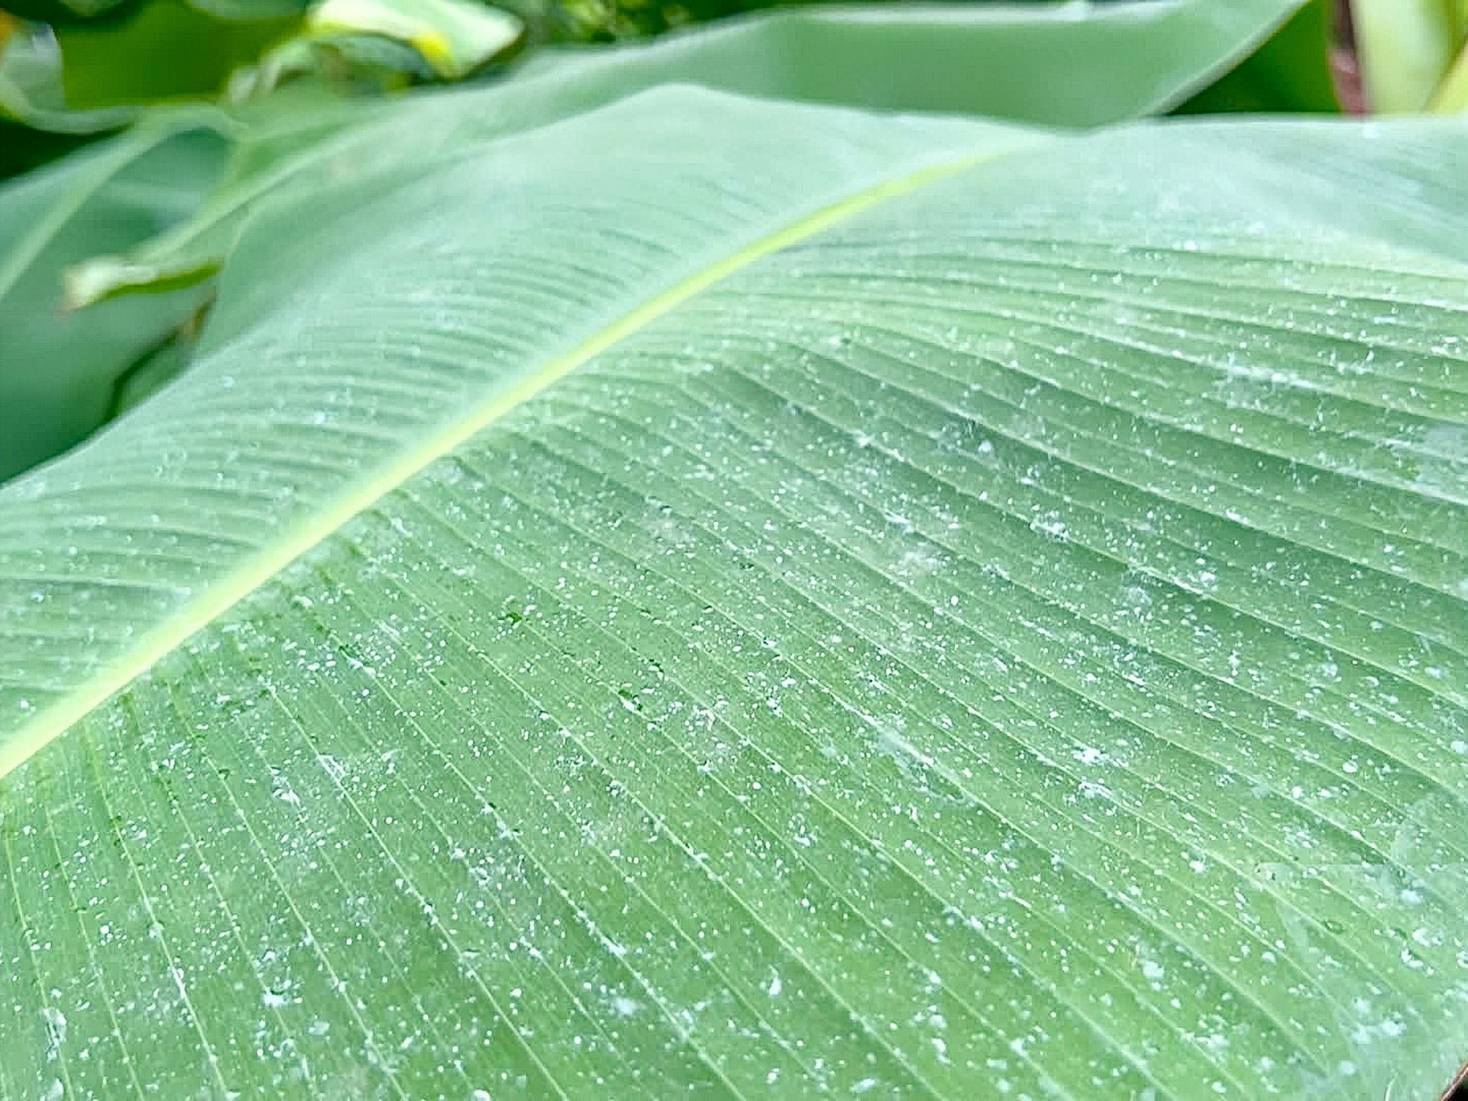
(867,605)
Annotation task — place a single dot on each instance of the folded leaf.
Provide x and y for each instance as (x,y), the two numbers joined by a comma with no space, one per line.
(57,370)
(31,90)
(868,605)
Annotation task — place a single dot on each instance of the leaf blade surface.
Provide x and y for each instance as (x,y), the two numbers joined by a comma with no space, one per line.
(980,637)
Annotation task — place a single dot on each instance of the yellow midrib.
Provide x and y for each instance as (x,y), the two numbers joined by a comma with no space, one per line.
(51,722)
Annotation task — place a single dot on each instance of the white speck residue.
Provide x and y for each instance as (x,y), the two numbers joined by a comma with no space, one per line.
(892,741)
(55,1030)
(1051,525)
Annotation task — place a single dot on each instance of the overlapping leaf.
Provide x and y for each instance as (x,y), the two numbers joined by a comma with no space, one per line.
(59,372)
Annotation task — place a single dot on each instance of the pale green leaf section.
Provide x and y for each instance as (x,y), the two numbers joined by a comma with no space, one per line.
(869,605)
(1065,64)
(1406,49)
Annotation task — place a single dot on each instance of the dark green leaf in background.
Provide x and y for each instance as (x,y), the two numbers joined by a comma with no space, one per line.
(166,49)
(1406,48)
(1291,71)
(57,368)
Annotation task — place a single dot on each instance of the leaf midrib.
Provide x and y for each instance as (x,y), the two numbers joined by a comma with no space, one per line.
(257,571)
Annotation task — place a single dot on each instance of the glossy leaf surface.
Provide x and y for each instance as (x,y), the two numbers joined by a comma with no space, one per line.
(891,606)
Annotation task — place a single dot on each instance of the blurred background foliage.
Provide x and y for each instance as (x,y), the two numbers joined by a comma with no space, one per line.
(74,67)
(70,69)
(84,66)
